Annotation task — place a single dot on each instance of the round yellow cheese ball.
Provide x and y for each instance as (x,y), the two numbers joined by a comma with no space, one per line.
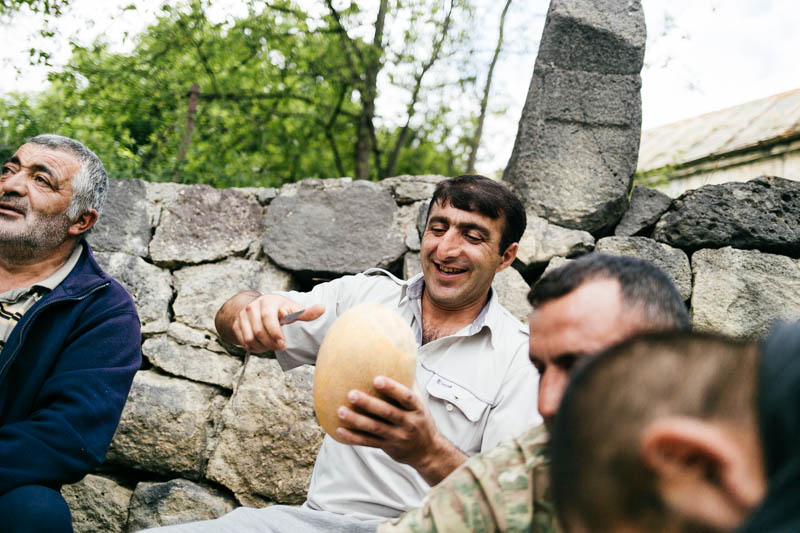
(366,341)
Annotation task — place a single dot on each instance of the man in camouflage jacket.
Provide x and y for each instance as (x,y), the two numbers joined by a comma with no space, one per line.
(579,309)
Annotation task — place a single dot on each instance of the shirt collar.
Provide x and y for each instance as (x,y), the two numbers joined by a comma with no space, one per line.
(47,284)
(52,281)
(487,318)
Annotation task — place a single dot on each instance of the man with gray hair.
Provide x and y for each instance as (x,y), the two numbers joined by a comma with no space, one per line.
(69,334)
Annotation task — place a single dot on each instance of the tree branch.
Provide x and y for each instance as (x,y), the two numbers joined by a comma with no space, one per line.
(391,164)
(476,139)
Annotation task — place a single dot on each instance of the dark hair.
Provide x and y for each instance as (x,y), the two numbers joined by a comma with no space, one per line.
(645,288)
(479,194)
(598,478)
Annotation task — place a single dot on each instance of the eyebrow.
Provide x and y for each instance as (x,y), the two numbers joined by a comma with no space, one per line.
(463,226)
(37,167)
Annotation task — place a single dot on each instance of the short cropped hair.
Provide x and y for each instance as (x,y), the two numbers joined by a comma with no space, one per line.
(597,473)
(646,289)
(490,198)
(90,184)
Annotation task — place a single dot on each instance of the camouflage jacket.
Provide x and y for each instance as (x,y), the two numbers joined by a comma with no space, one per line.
(504,489)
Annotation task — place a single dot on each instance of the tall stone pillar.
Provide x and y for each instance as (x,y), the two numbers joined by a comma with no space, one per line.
(578,141)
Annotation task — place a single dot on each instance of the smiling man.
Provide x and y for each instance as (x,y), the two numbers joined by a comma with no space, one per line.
(69,334)
(474,383)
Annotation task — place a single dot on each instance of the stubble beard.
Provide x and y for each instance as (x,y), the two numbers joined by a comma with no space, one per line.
(41,234)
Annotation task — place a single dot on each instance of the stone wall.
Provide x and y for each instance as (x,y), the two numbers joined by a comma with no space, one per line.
(208,428)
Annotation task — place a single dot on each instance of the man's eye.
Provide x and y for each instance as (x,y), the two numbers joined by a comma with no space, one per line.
(472,237)
(41,179)
(6,170)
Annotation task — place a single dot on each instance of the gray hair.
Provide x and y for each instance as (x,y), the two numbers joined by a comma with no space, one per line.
(90,184)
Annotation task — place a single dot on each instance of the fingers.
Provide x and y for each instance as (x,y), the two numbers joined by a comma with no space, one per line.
(398,392)
(355,438)
(374,407)
(257,326)
(365,425)
(313,312)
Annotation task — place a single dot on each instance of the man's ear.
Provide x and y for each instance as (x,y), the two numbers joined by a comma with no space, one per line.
(508,256)
(83,222)
(703,470)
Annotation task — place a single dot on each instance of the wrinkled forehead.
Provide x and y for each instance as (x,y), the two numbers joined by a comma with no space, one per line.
(61,163)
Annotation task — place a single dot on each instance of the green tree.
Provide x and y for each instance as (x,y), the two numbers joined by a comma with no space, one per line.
(48,7)
(279,95)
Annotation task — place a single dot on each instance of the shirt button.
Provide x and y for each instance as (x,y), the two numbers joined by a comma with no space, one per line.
(449,407)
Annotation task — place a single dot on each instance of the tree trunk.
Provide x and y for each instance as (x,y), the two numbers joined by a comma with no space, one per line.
(476,139)
(366,126)
(402,137)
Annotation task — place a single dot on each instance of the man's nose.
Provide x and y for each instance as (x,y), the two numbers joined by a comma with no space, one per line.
(450,244)
(13,183)
(551,388)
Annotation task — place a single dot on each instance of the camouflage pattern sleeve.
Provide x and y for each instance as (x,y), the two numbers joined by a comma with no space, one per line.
(504,489)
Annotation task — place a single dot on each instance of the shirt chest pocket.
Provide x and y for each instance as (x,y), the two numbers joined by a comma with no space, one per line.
(459,414)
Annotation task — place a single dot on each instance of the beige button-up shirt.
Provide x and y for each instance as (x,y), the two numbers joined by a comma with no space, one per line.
(478,383)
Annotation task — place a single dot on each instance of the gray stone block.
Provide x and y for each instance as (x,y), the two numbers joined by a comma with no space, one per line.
(411,265)
(574,175)
(542,241)
(555,263)
(341,230)
(203,224)
(409,189)
(124,224)
(150,286)
(762,214)
(264,195)
(269,436)
(406,219)
(185,335)
(512,292)
(177,501)
(578,140)
(606,36)
(588,97)
(167,425)
(742,292)
(673,261)
(202,289)
(646,207)
(192,362)
(97,503)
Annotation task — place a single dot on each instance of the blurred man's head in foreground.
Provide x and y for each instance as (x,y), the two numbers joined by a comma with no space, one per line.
(682,432)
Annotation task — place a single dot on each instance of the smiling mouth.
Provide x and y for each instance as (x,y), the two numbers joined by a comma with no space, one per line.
(449,270)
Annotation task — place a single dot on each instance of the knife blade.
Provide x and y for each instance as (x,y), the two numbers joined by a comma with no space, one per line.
(291,317)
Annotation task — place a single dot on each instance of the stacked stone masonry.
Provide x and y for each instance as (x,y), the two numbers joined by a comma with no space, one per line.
(208,428)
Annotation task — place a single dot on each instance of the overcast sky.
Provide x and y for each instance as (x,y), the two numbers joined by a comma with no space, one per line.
(714,54)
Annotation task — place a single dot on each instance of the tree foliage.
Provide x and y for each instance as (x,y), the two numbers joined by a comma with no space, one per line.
(48,7)
(283,93)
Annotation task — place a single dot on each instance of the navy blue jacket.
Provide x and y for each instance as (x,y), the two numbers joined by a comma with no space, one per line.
(65,373)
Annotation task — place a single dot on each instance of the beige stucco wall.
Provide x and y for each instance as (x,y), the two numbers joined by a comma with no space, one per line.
(785,165)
